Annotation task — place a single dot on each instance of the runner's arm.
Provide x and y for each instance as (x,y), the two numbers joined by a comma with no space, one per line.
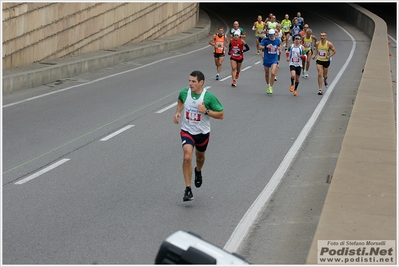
(243,33)
(226,41)
(212,41)
(216,114)
(332,48)
(211,113)
(179,108)
(261,45)
(246,47)
(316,51)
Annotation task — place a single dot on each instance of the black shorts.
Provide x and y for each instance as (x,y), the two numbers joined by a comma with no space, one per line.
(325,64)
(237,60)
(200,141)
(297,69)
(218,55)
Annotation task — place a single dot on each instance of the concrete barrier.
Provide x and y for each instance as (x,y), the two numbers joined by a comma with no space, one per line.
(361,200)
(40,32)
(38,74)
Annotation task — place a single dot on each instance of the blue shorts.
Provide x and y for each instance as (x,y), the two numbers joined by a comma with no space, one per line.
(200,141)
(268,64)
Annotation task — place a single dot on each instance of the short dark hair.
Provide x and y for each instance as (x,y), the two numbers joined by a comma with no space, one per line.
(200,76)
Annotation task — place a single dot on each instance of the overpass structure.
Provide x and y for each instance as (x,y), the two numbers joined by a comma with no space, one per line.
(361,201)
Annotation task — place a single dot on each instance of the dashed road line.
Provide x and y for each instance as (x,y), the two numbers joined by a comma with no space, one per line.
(43,171)
(116,133)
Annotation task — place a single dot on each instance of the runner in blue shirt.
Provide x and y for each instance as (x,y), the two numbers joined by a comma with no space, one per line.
(271,47)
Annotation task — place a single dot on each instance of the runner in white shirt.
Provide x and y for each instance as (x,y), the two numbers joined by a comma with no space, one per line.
(295,54)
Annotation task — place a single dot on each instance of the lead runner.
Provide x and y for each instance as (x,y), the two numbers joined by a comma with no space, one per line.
(199,107)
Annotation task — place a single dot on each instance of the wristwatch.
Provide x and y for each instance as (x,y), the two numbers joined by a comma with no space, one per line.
(207,112)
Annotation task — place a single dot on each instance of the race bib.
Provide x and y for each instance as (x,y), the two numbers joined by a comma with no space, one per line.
(273,50)
(322,53)
(193,117)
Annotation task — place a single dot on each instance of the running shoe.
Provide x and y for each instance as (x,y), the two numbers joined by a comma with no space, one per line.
(275,78)
(320,92)
(291,87)
(234,84)
(258,52)
(326,83)
(295,93)
(198,178)
(267,90)
(188,194)
(306,75)
(217,76)
(303,74)
(270,90)
(237,75)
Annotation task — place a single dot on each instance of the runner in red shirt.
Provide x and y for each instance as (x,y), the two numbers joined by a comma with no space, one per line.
(236,52)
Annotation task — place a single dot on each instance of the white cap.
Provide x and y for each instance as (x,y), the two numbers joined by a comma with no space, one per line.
(237,33)
(271,31)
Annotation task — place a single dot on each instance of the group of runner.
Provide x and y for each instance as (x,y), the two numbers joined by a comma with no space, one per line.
(196,105)
(271,37)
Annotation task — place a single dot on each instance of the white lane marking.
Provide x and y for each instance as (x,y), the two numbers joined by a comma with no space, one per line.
(393,39)
(227,77)
(174,104)
(116,133)
(166,108)
(243,227)
(37,174)
(102,78)
(258,62)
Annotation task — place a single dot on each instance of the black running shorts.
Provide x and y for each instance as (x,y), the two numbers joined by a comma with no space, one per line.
(200,141)
(325,64)
(297,69)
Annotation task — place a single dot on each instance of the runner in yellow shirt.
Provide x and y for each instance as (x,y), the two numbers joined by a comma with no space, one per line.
(286,27)
(324,50)
(308,40)
(259,28)
(272,24)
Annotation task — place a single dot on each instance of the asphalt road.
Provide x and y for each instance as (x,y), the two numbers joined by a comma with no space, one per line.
(113,199)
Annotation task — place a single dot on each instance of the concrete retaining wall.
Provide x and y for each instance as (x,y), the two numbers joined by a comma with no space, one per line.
(37,32)
(40,73)
(361,201)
